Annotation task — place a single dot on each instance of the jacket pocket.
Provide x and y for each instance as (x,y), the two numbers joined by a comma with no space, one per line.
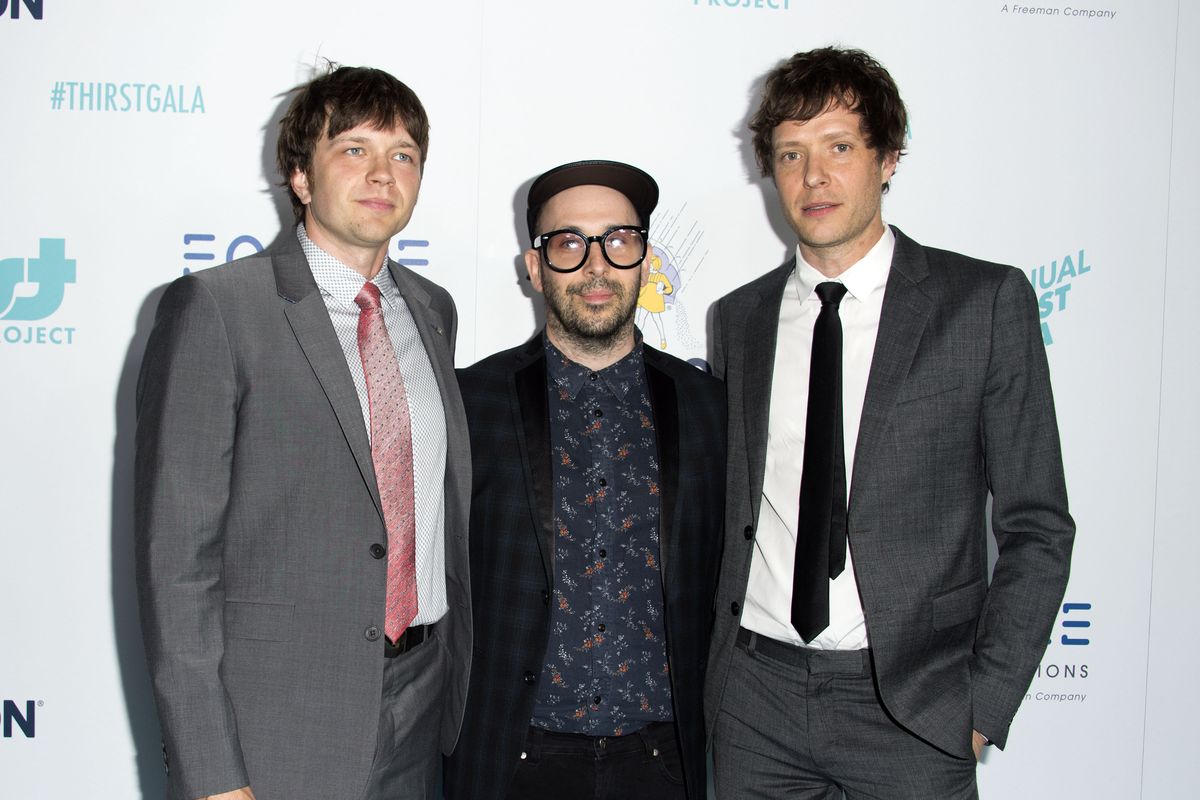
(958,605)
(270,622)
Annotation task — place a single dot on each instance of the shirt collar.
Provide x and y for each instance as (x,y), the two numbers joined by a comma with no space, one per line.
(335,279)
(861,279)
(620,377)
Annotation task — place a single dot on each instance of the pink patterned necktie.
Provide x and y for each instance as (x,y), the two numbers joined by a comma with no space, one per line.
(391,452)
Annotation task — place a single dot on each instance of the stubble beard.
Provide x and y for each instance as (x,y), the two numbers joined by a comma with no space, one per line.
(588,331)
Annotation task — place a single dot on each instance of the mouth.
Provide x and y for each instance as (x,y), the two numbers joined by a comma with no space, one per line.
(818,209)
(376,204)
(595,295)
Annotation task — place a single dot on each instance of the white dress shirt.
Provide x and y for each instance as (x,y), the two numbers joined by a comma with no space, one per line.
(768,606)
(339,285)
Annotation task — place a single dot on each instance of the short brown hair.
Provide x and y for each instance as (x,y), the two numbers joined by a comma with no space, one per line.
(341,99)
(810,83)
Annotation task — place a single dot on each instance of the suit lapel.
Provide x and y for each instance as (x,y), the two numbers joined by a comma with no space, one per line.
(906,309)
(531,408)
(309,319)
(762,328)
(665,406)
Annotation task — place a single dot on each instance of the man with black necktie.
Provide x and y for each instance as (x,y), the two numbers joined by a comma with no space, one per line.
(879,392)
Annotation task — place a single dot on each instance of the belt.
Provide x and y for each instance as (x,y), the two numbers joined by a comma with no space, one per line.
(854,662)
(412,636)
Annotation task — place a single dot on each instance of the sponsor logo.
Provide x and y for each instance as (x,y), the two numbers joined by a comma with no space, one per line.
(1058,677)
(20,717)
(152,98)
(675,258)
(32,290)
(13,8)
(1017,9)
(208,249)
(773,5)
(1053,282)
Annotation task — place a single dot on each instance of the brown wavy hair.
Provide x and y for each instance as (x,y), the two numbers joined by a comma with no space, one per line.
(810,83)
(341,99)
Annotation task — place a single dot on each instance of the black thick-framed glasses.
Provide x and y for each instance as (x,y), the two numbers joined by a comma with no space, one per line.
(566,250)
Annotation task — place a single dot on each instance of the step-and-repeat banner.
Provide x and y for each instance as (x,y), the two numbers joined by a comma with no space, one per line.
(139,145)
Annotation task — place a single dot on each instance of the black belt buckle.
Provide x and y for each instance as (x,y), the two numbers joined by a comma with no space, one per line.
(413,636)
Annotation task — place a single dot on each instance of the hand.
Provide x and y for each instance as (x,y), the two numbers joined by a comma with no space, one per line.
(658,287)
(978,740)
(244,793)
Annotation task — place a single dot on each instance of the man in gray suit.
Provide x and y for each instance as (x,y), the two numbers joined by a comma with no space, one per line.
(302,481)
(879,391)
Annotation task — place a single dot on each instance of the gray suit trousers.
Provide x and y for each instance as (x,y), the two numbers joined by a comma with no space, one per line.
(829,734)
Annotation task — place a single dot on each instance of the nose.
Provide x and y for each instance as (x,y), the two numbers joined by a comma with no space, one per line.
(814,173)
(380,170)
(595,263)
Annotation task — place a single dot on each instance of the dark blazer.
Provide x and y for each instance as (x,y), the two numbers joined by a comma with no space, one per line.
(512,550)
(256,513)
(958,406)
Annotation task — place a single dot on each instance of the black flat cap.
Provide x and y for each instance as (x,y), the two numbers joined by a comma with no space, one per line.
(630,181)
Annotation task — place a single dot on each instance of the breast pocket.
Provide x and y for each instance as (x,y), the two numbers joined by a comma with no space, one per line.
(269,622)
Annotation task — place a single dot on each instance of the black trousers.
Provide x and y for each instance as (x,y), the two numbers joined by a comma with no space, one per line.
(569,766)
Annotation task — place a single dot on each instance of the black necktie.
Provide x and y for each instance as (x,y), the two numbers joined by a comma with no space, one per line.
(821,532)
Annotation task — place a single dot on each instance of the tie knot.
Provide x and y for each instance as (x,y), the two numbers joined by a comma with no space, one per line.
(831,293)
(368,297)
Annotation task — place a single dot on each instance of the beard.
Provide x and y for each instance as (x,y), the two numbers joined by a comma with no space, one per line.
(590,329)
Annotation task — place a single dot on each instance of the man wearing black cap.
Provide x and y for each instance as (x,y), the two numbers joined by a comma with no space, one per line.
(595,523)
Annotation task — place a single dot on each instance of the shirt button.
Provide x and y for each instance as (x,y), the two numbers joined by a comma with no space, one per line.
(734,608)
(592,376)
(748,533)
(603,553)
(371,633)
(378,551)
(603,482)
(597,699)
(530,678)
(600,627)
(599,412)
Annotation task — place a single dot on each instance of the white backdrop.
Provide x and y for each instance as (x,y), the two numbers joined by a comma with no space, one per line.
(139,144)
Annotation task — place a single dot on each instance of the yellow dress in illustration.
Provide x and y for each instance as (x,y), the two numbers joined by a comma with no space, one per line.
(650,299)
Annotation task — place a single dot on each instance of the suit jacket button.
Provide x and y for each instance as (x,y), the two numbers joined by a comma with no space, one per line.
(734,608)
(749,532)
(530,678)
(372,633)
(378,551)
(545,597)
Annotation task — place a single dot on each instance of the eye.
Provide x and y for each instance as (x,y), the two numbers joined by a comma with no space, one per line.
(841,147)
(402,157)
(354,151)
(790,155)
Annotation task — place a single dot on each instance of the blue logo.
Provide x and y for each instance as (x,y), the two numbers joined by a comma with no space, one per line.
(206,250)
(1053,284)
(776,5)
(23,720)
(153,98)
(34,7)
(32,290)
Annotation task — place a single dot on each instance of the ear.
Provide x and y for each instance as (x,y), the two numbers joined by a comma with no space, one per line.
(533,267)
(887,167)
(299,184)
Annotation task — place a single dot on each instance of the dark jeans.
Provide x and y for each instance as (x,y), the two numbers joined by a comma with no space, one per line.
(569,766)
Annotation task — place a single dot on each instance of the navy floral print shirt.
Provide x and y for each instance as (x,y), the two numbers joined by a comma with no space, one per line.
(606,668)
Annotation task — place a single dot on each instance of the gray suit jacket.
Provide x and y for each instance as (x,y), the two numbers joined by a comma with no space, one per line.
(958,406)
(256,509)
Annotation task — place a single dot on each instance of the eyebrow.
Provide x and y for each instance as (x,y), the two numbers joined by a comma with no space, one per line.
(404,144)
(840,133)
